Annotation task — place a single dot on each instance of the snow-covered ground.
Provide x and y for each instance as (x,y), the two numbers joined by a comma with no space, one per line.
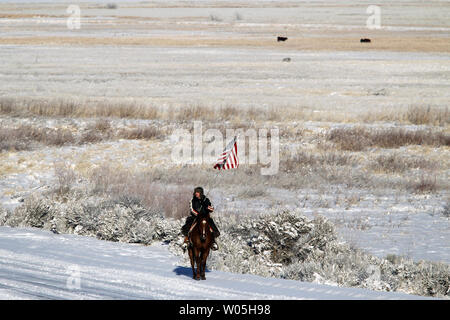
(313,80)
(37,264)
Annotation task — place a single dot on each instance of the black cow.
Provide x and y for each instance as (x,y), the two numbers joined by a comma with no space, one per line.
(364,40)
(281,39)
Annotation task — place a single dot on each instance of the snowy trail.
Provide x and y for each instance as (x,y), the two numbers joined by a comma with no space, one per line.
(37,264)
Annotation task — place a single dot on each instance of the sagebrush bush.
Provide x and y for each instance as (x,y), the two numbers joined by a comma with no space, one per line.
(397,163)
(35,212)
(118,219)
(446,209)
(290,246)
(4,215)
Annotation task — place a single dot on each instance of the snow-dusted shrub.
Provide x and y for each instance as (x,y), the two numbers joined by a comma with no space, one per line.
(290,246)
(235,256)
(265,244)
(35,212)
(122,219)
(420,278)
(4,215)
(338,264)
(446,210)
(284,236)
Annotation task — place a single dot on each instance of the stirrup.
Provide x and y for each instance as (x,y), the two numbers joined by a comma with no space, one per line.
(185,244)
(215,246)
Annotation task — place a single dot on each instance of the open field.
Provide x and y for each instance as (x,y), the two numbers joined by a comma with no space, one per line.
(364,127)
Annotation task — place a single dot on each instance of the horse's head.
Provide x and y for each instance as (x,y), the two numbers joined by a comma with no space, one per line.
(204,227)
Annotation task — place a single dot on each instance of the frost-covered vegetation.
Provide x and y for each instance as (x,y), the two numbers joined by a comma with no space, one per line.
(279,244)
(290,246)
(123,219)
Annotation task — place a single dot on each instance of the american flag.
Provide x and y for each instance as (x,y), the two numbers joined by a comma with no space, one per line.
(228,159)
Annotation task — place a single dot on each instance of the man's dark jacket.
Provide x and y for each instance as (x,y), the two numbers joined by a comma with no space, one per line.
(198,207)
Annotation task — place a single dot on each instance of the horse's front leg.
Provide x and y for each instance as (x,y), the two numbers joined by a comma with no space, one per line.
(191,257)
(198,261)
(195,261)
(203,267)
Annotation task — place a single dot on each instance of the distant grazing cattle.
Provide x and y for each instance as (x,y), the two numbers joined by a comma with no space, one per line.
(287,59)
(364,40)
(281,39)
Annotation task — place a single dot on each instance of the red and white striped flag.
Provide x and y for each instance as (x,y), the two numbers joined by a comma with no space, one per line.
(228,159)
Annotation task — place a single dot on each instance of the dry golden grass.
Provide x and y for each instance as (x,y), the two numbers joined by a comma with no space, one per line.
(195,111)
(142,187)
(24,136)
(25,15)
(415,114)
(360,138)
(30,137)
(427,115)
(407,44)
(187,4)
(141,133)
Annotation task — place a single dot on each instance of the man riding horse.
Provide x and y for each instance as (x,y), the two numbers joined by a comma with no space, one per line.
(199,204)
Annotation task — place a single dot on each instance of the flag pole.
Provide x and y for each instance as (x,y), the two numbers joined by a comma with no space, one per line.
(218,170)
(207,193)
(210,186)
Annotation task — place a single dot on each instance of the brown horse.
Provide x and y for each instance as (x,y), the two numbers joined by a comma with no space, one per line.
(201,239)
